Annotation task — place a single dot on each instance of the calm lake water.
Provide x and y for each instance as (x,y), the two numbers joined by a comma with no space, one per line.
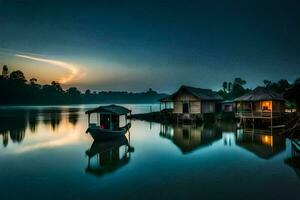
(46,154)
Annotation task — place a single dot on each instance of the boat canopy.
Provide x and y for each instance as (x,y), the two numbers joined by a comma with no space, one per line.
(113,109)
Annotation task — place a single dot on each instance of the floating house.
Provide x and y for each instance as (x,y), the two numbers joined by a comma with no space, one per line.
(191,103)
(260,103)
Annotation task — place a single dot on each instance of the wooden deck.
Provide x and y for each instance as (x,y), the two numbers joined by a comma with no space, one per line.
(258,115)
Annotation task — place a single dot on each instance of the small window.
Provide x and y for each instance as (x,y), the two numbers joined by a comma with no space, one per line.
(227,108)
(266,105)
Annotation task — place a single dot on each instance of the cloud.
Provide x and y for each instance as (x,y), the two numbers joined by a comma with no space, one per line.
(74,70)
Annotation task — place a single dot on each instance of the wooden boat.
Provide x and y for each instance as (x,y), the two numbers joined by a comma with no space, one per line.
(107,124)
(104,134)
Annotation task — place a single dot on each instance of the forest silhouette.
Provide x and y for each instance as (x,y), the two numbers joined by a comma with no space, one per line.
(17,90)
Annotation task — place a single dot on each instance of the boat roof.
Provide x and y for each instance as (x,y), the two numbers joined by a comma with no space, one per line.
(199,93)
(260,94)
(113,109)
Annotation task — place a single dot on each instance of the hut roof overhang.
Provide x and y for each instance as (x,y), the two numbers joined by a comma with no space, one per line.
(113,109)
(261,151)
(261,94)
(199,93)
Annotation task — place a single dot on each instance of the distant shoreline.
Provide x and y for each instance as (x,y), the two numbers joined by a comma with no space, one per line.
(80,104)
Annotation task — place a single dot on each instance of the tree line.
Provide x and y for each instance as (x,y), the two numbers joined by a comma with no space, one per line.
(17,90)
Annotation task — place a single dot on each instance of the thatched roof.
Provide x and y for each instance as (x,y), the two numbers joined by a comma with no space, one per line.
(200,93)
(114,109)
(260,94)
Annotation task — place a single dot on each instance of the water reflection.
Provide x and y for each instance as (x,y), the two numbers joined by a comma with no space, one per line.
(187,138)
(14,122)
(52,117)
(215,155)
(294,160)
(190,137)
(108,156)
(13,126)
(262,143)
(73,115)
(33,120)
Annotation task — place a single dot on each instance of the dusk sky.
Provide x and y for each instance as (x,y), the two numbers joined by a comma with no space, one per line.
(135,45)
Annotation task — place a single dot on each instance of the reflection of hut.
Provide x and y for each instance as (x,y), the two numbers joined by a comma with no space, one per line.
(260,103)
(109,155)
(188,137)
(263,144)
(190,103)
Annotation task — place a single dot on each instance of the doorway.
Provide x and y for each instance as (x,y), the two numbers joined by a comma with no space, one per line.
(185,107)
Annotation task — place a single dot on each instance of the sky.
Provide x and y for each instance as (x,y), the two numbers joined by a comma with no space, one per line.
(136,45)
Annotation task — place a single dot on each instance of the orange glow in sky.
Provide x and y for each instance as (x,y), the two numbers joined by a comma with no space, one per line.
(74,70)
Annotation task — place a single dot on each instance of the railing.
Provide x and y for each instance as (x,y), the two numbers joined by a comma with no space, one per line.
(246,114)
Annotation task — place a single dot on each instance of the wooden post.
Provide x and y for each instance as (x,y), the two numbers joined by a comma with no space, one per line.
(110,123)
(271,114)
(130,117)
(98,120)
(252,113)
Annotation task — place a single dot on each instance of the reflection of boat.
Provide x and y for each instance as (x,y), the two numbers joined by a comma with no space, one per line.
(108,122)
(189,137)
(110,155)
(261,142)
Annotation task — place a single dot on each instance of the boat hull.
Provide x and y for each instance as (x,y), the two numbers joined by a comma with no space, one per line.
(104,134)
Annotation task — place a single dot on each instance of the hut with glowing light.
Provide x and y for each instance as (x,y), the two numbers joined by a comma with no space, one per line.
(260,103)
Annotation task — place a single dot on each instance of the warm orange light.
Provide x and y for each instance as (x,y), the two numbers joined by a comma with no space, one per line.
(268,140)
(74,70)
(266,105)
